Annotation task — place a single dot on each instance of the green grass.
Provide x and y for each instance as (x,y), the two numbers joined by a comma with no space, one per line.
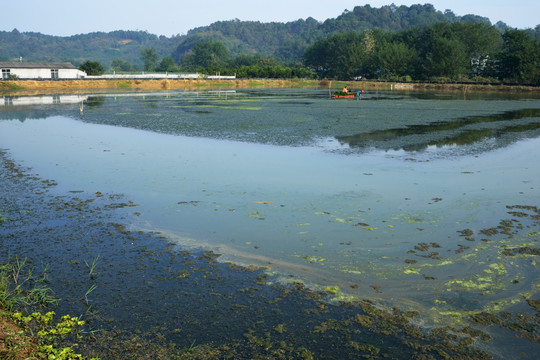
(123,84)
(21,286)
(9,86)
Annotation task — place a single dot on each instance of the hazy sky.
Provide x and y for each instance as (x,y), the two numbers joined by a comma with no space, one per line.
(171,17)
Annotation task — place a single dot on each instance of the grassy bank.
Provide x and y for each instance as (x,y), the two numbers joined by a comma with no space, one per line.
(167,84)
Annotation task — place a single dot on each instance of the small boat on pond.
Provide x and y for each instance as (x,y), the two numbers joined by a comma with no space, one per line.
(347,95)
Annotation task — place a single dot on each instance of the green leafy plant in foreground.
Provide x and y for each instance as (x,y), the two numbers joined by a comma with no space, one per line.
(48,333)
(20,288)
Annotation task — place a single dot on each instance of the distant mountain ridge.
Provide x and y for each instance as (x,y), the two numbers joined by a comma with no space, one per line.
(284,41)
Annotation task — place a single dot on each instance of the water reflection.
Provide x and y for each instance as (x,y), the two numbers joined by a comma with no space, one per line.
(461,131)
(35,107)
(55,99)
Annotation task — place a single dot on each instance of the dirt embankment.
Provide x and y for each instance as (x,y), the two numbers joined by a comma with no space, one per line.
(149,84)
(79,86)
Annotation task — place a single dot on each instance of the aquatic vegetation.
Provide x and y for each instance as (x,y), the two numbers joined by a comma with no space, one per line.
(340,223)
(21,286)
(93,265)
(331,289)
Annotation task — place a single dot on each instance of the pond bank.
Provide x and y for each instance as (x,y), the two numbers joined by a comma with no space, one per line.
(77,86)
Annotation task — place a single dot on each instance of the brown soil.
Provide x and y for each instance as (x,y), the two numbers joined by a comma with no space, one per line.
(14,344)
(78,86)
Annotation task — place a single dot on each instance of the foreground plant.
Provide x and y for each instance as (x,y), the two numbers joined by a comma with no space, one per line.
(38,335)
(48,333)
(20,286)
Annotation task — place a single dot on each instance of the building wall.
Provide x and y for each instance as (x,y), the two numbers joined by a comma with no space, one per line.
(46,73)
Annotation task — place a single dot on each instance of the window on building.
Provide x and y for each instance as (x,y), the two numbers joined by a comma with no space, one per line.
(6,73)
(54,73)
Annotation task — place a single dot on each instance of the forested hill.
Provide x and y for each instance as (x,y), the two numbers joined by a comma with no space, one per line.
(287,41)
(98,46)
(284,41)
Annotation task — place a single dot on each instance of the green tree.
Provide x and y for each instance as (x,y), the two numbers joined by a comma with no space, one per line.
(207,56)
(395,59)
(519,60)
(92,68)
(446,59)
(167,64)
(121,65)
(481,42)
(246,60)
(150,58)
(442,54)
(341,56)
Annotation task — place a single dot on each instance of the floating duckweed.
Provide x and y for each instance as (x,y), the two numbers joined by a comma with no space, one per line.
(497,269)
(255,214)
(313,259)
(411,271)
(331,289)
(280,329)
(445,262)
(452,314)
(358,272)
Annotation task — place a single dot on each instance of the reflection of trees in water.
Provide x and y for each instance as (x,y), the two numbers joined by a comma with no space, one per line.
(28,113)
(95,101)
(462,131)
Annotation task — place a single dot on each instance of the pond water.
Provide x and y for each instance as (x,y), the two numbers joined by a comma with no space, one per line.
(407,198)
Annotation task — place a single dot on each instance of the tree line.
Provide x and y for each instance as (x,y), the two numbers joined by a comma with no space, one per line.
(287,42)
(208,58)
(476,52)
(442,52)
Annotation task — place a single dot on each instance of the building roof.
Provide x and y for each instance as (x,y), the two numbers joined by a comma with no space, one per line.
(35,65)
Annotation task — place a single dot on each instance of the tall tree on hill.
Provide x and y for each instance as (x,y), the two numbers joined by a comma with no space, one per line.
(167,64)
(341,56)
(150,58)
(209,56)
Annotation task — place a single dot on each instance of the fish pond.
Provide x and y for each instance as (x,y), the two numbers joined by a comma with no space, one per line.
(299,225)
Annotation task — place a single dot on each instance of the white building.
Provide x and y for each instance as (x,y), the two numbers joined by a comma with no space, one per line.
(40,70)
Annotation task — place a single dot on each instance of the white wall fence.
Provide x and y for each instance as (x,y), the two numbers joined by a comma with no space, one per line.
(172,76)
(143,76)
